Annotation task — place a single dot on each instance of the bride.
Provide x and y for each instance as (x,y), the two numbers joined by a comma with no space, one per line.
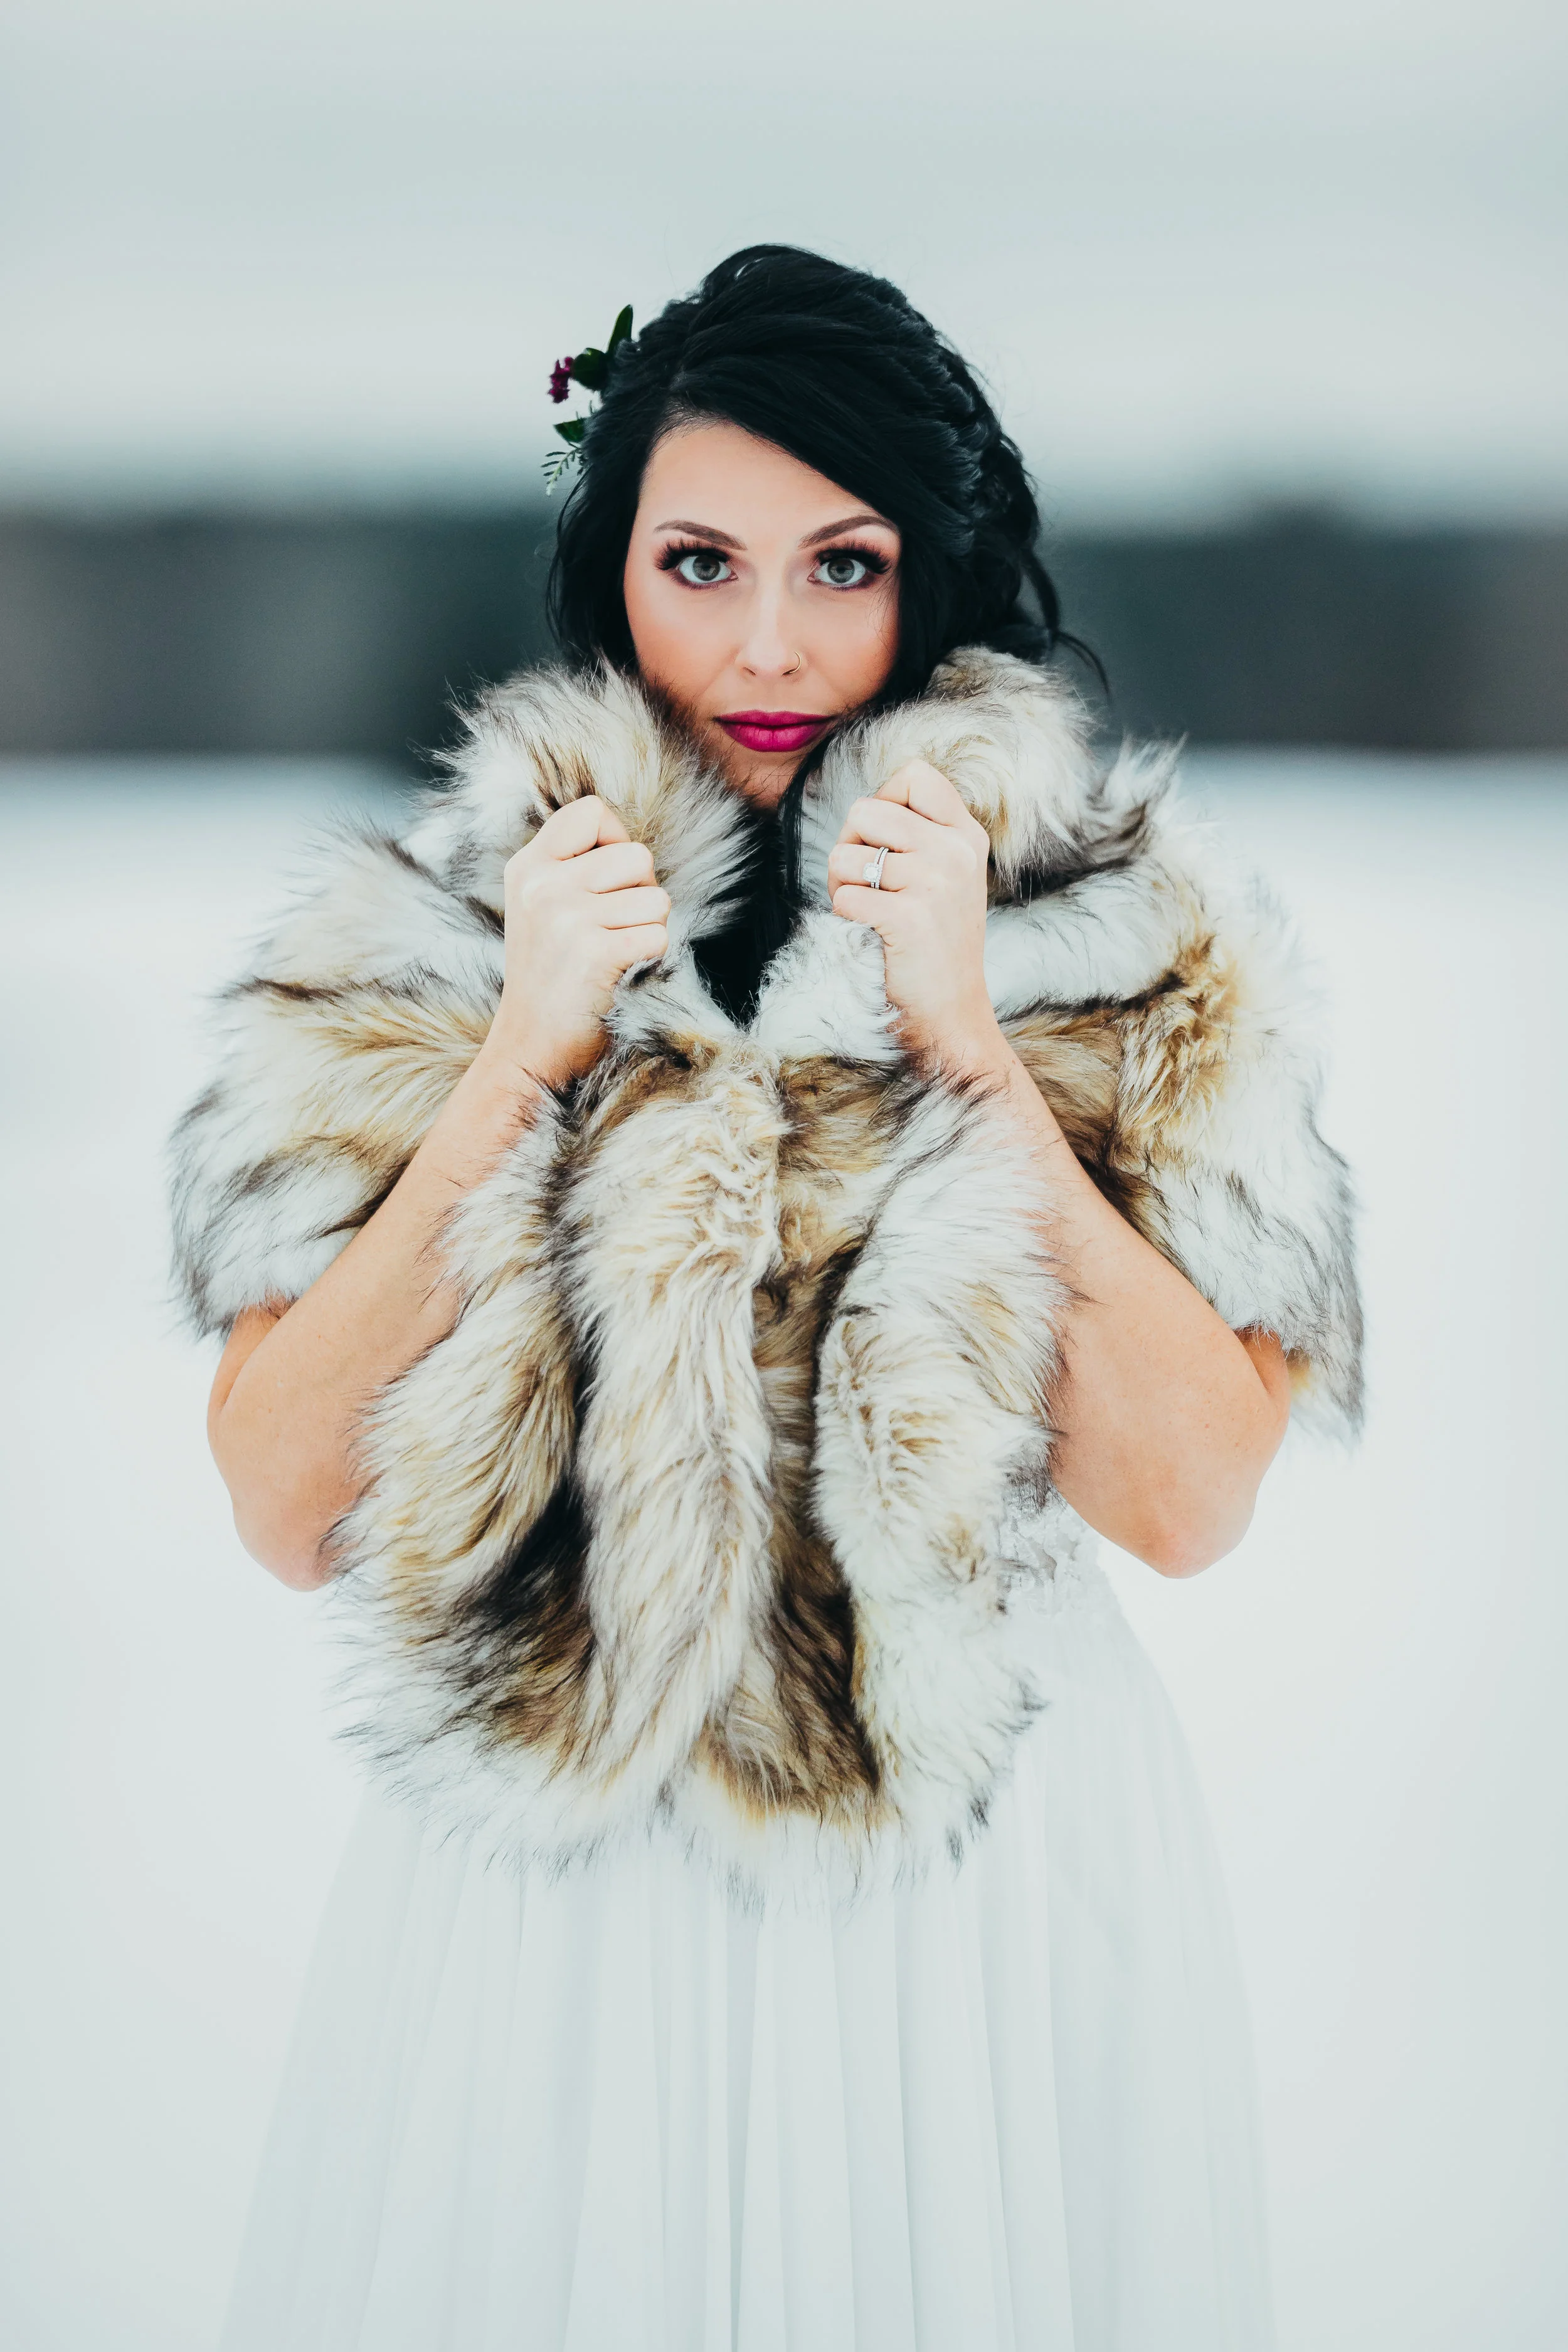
(707,1229)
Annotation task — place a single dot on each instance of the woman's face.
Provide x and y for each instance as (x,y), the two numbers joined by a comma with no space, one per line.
(760,597)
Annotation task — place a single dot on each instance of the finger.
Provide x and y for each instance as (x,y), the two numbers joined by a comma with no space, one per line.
(647,944)
(884,824)
(857,904)
(625,910)
(919,786)
(621,866)
(851,860)
(581,825)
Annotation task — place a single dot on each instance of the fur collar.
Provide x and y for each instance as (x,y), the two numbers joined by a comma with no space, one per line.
(1016,740)
(710,1505)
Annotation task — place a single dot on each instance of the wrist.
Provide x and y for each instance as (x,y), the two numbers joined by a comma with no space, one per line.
(518,1064)
(973,1047)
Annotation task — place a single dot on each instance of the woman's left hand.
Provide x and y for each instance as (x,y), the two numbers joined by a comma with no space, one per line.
(930,911)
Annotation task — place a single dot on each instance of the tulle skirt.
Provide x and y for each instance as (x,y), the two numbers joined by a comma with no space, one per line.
(1007,2108)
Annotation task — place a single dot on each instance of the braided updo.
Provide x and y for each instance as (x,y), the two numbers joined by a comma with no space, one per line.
(839,368)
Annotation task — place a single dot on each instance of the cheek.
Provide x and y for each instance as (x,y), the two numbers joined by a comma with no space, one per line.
(672,632)
(860,642)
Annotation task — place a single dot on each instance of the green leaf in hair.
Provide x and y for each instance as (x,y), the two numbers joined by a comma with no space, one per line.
(590,369)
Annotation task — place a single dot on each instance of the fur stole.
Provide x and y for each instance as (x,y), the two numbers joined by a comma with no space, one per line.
(710,1505)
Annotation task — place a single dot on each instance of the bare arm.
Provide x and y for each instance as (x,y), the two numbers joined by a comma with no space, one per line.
(293,1382)
(1166,1418)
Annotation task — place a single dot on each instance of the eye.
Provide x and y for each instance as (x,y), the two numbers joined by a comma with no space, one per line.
(849,567)
(698,567)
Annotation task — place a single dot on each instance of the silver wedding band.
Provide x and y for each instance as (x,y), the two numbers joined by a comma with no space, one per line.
(873,869)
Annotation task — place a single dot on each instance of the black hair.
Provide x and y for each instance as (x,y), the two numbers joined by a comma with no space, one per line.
(838,368)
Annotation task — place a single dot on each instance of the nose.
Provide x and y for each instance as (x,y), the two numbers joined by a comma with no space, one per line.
(767,651)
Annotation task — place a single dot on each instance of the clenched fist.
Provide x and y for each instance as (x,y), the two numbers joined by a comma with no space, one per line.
(581,907)
(928,908)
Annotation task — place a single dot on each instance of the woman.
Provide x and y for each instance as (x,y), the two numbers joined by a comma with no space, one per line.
(707,1228)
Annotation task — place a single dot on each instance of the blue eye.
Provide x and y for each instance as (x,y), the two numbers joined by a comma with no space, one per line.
(703,567)
(849,567)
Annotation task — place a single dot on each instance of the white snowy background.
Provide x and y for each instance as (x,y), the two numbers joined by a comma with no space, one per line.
(274,249)
(1372,1684)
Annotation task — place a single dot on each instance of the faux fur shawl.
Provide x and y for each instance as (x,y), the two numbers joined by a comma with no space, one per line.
(711,1504)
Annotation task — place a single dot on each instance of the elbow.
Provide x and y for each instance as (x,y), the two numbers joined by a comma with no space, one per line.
(282,1550)
(1187,1533)
(1186,1544)
(284,1510)
(277,1528)
(1202,1517)
(1181,1498)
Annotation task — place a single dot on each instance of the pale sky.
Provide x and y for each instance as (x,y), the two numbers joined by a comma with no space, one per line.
(1205,253)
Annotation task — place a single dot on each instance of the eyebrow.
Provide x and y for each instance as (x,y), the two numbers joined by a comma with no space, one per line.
(813,539)
(849,522)
(700,531)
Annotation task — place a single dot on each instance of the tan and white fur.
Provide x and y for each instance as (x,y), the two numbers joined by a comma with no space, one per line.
(699,1513)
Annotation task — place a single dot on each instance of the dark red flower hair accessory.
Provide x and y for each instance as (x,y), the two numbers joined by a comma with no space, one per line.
(590,369)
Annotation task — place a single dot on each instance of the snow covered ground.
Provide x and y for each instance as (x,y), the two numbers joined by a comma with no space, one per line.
(1372,1684)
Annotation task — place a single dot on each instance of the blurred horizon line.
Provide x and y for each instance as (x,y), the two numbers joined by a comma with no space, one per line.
(310,627)
(1197,508)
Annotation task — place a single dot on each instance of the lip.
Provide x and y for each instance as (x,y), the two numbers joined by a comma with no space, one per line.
(773,730)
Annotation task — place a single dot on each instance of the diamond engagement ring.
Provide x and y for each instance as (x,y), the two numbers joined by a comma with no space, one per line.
(873,869)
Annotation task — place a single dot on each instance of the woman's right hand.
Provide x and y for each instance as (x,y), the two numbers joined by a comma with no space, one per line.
(581,907)
(285,1419)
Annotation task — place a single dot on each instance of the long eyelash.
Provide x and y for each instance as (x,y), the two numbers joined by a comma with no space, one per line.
(871,557)
(680,549)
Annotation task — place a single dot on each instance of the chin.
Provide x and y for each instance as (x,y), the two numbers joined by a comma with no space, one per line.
(762,792)
(763,782)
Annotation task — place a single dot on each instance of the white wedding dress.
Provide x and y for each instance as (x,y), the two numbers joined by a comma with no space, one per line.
(1007,2108)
